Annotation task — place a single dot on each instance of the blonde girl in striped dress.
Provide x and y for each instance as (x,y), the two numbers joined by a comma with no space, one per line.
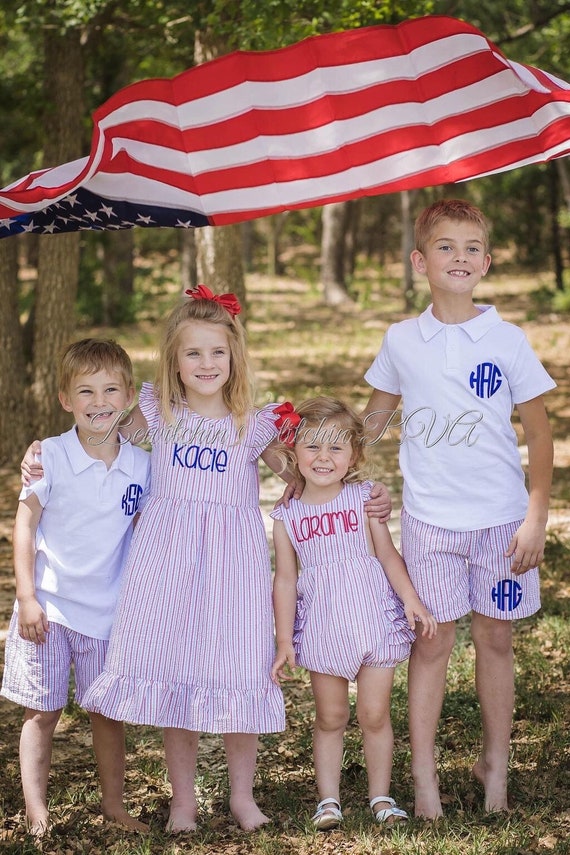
(350,613)
(192,641)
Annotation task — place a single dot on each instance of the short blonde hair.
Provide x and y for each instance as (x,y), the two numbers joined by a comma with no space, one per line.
(237,392)
(90,355)
(314,412)
(457,210)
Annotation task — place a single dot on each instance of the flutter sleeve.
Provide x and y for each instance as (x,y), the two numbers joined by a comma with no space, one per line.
(149,405)
(365,488)
(277,513)
(266,427)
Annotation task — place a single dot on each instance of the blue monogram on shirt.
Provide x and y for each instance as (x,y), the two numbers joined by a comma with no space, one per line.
(486,379)
(131,498)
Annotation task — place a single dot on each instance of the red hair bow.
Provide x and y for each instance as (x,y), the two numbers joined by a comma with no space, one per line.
(287,423)
(229,301)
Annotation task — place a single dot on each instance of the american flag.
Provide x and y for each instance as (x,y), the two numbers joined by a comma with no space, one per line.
(334,117)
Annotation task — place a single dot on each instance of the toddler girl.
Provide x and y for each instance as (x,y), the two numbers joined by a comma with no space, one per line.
(340,618)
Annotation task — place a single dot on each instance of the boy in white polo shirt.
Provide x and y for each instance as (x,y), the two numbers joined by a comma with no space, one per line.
(472,536)
(71,535)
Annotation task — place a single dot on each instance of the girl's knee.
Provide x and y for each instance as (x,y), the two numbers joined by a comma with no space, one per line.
(373,719)
(332,719)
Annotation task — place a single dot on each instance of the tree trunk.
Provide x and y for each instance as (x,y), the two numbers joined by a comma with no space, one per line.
(219,261)
(188,274)
(58,262)
(14,429)
(219,251)
(555,226)
(333,253)
(407,245)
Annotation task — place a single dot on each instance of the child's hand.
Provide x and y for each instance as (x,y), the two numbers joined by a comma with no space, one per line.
(30,467)
(379,504)
(416,612)
(293,490)
(32,621)
(285,656)
(526,547)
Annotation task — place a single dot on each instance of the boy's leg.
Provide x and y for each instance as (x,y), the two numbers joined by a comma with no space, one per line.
(36,742)
(241,754)
(331,718)
(181,751)
(373,711)
(109,749)
(494,679)
(427,671)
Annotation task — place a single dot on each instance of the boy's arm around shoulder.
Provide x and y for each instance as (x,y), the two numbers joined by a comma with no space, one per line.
(284,600)
(32,620)
(397,575)
(527,544)
(378,414)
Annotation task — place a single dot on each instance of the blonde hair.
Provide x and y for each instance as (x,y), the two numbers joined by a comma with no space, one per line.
(457,210)
(90,355)
(347,426)
(237,392)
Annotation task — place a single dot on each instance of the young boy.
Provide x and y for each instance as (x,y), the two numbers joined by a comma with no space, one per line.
(472,536)
(71,534)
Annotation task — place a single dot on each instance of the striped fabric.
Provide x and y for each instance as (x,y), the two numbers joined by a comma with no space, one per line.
(192,642)
(455,572)
(334,117)
(37,675)
(347,613)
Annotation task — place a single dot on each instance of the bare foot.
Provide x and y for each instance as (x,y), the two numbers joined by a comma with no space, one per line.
(495,786)
(182,818)
(427,800)
(125,820)
(247,814)
(39,827)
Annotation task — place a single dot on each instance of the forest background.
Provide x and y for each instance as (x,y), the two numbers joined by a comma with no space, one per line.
(320,286)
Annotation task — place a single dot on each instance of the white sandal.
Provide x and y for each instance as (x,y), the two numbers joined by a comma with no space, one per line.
(384,814)
(328,815)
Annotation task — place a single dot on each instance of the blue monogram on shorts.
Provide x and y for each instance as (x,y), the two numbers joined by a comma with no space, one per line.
(486,379)
(130,500)
(507,594)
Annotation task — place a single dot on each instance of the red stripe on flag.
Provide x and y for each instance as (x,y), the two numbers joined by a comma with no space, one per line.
(334,117)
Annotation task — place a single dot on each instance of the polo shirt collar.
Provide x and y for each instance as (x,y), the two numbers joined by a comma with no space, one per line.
(80,460)
(475,328)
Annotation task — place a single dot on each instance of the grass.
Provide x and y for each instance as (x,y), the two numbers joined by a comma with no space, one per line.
(301,347)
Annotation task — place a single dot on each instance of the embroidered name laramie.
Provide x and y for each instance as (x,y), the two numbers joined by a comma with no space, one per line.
(347,613)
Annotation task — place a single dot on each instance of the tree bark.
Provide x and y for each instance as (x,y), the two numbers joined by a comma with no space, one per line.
(219,251)
(219,261)
(14,433)
(333,244)
(407,244)
(188,274)
(58,261)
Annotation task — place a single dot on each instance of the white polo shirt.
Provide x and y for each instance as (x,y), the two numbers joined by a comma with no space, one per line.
(85,530)
(459,384)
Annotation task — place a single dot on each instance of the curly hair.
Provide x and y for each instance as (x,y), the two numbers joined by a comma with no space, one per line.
(331,420)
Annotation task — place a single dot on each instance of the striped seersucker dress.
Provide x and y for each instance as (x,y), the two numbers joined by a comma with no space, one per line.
(347,613)
(192,642)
